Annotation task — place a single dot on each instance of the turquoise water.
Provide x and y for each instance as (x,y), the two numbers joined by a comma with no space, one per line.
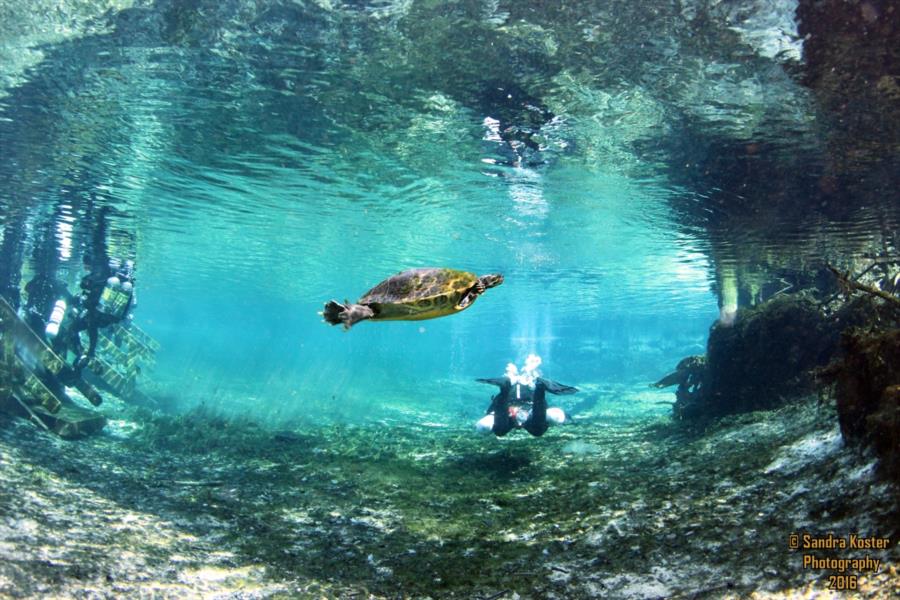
(587,294)
(259,168)
(262,158)
(637,171)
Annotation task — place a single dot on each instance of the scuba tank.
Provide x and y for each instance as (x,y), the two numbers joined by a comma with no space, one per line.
(56,317)
(114,298)
(108,295)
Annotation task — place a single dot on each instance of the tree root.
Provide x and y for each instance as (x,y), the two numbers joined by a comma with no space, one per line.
(848,285)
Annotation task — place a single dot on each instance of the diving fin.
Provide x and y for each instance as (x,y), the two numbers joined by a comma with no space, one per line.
(498,381)
(556,388)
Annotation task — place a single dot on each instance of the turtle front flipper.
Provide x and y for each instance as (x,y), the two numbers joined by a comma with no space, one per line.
(475,291)
(348,314)
(469,298)
(481,284)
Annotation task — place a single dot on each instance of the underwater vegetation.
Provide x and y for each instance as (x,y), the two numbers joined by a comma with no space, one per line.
(202,505)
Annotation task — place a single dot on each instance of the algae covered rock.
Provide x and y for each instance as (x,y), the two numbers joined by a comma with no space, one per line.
(778,351)
(884,428)
(867,391)
(767,355)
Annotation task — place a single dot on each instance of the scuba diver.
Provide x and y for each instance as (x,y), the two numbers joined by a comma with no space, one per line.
(521,402)
(513,124)
(107,291)
(53,315)
(50,308)
(107,296)
(50,311)
(48,301)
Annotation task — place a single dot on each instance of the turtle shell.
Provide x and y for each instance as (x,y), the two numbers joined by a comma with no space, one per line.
(419,294)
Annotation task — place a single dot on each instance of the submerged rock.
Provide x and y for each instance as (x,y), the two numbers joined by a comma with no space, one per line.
(778,351)
(772,353)
(867,390)
(767,355)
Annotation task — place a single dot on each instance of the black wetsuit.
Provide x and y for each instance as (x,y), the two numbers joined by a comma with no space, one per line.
(524,398)
(94,319)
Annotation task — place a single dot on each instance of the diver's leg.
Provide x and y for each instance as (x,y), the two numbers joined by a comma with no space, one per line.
(503,423)
(93,336)
(82,357)
(77,349)
(537,421)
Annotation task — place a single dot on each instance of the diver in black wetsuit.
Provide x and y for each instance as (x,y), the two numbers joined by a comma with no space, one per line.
(521,403)
(107,297)
(107,293)
(42,293)
(49,307)
(51,312)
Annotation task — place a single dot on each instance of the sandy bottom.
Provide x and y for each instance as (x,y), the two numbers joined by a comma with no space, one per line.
(197,506)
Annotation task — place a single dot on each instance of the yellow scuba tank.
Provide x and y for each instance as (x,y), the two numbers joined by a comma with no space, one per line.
(114,298)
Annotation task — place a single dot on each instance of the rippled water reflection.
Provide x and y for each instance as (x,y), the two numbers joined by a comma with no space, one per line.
(262,157)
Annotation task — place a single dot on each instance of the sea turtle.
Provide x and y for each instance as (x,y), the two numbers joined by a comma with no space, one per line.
(413,295)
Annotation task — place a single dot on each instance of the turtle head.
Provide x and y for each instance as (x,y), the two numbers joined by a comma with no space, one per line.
(490,280)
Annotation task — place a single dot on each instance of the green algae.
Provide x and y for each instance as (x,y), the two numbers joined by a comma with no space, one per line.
(414,512)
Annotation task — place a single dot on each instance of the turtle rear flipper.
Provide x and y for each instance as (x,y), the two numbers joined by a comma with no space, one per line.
(332,312)
(348,314)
